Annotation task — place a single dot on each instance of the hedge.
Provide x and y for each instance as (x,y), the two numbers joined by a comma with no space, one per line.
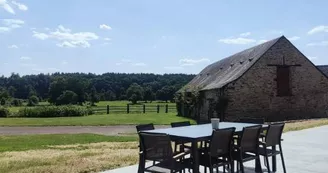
(4,112)
(53,111)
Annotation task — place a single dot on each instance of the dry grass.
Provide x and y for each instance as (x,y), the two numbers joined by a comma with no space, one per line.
(305,124)
(71,158)
(94,157)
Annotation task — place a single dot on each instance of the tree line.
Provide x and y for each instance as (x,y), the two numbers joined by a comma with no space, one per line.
(77,88)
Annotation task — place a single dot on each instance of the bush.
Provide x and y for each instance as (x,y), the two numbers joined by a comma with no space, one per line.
(67,97)
(54,111)
(3,101)
(33,101)
(16,102)
(4,112)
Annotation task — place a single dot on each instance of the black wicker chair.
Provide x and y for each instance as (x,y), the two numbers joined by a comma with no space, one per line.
(179,144)
(140,128)
(247,147)
(218,154)
(272,139)
(158,148)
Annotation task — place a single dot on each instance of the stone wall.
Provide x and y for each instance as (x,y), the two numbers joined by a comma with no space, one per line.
(255,93)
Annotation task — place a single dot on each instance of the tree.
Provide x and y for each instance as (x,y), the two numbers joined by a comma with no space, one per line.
(166,93)
(148,94)
(134,93)
(33,101)
(94,97)
(3,101)
(67,97)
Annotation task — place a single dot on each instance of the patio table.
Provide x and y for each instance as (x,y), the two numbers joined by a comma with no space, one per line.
(198,133)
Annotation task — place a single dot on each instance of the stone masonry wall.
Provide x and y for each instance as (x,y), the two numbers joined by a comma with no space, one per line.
(255,93)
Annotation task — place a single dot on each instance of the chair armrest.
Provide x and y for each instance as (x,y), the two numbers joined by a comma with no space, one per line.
(178,156)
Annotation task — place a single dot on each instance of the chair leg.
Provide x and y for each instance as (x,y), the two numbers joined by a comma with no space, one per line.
(211,169)
(282,159)
(267,161)
(242,167)
(205,169)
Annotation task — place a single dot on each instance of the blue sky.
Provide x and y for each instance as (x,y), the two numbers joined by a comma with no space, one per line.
(150,36)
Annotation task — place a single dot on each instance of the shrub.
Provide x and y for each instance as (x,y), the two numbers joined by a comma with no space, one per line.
(3,101)
(16,102)
(4,112)
(67,97)
(33,101)
(54,111)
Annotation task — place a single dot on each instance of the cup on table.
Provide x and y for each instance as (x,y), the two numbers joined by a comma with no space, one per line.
(215,123)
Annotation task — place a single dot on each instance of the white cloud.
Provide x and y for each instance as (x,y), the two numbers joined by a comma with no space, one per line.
(33,28)
(261,41)
(239,40)
(28,65)
(126,60)
(53,69)
(13,23)
(104,26)
(4,29)
(107,39)
(312,57)
(4,4)
(193,61)
(118,63)
(322,43)
(62,28)
(245,34)
(13,46)
(318,29)
(20,6)
(139,64)
(187,64)
(67,38)
(293,38)
(41,36)
(25,58)
(64,62)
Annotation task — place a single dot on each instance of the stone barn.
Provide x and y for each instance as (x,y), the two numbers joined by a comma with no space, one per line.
(273,80)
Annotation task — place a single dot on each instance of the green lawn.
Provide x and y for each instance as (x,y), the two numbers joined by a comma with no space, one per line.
(95,120)
(28,142)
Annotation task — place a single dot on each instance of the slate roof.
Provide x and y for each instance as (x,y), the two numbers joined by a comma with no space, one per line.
(323,69)
(224,71)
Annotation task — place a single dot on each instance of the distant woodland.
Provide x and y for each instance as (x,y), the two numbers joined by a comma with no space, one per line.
(77,88)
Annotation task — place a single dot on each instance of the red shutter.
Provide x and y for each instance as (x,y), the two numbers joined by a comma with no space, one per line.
(283,88)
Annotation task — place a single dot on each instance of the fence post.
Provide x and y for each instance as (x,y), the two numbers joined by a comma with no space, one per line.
(107,109)
(144,108)
(127,108)
(166,108)
(157,108)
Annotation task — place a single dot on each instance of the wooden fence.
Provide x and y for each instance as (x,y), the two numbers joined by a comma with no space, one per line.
(135,109)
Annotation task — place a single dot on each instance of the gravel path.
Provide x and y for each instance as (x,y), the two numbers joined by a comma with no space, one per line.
(104,130)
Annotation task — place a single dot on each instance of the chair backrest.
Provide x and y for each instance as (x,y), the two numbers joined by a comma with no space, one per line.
(180,124)
(156,146)
(221,142)
(252,120)
(249,140)
(273,135)
(143,127)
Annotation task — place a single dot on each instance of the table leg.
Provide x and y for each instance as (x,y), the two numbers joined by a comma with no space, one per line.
(195,157)
(274,160)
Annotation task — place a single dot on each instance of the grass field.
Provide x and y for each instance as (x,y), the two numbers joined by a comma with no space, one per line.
(81,153)
(95,120)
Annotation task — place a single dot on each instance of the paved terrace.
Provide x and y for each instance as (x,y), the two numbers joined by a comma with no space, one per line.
(305,151)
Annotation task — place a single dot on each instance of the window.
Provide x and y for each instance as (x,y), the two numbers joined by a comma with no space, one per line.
(283,83)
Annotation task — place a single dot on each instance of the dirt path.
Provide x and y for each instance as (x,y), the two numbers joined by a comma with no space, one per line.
(104,130)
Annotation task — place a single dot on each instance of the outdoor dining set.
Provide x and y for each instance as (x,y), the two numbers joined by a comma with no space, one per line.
(224,146)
